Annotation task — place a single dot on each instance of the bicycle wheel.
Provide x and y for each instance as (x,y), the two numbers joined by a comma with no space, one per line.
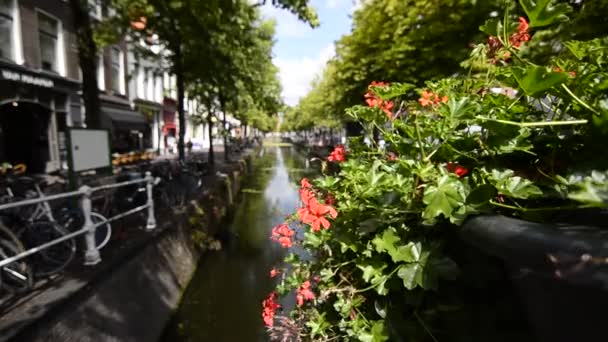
(72,220)
(52,259)
(17,276)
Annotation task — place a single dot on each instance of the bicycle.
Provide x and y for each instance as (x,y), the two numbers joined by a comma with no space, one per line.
(36,226)
(15,277)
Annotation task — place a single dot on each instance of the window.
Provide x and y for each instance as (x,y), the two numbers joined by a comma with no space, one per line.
(6,30)
(101,81)
(145,83)
(117,70)
(48,31)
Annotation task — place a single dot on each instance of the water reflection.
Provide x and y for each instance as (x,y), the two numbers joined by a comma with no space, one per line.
(223,301)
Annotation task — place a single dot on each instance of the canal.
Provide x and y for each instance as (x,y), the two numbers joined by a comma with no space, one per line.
(223,300)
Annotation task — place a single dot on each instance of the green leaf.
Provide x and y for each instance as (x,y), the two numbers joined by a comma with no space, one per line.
(411,274)
(514,186)
(536,80)
(370,272)
(386,242)
(545,12)
(312,239)
(376,334)
(318,325)
(591,190)
(392,91)
(444,198)
(492,27)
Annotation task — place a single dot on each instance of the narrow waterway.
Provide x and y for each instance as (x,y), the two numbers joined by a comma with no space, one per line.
(223,300)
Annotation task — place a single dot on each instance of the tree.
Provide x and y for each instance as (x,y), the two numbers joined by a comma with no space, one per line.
(87,57)
(202,39)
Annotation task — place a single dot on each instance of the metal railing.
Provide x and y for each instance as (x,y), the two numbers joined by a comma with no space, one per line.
(91,256)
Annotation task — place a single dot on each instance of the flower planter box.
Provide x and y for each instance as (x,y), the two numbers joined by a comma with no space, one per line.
(560,272)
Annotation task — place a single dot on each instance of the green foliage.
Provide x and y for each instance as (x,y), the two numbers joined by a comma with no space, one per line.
(510,136)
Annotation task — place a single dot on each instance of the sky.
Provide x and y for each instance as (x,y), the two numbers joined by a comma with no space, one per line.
(301,52)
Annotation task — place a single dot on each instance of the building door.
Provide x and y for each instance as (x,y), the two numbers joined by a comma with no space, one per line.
(24,135)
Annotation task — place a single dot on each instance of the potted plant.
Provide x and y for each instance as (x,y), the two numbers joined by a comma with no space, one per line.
(384,233)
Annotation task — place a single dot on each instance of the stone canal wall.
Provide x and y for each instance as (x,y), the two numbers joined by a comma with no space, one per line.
(133,299)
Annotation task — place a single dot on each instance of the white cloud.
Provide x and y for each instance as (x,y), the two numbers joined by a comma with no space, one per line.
(297,74)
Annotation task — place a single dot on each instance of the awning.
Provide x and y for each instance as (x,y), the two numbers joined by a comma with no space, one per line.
(126,119)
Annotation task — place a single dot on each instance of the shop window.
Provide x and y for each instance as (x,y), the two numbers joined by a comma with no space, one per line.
(6,30)
(49,39)
(117,74)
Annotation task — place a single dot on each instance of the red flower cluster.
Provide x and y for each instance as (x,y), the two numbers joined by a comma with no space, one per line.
(428,98)
(521,35)
(304,293)
(283,235)
(274,272)
(338,154)
(313,212)
(460,171)
(270,307)
(375,102)
(392,156)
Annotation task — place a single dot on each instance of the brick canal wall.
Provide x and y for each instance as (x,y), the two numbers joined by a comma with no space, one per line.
(133,299)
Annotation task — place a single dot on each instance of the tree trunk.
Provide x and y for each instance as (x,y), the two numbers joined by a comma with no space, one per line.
(225,134)
(179,75)
(87,57)
(211,158)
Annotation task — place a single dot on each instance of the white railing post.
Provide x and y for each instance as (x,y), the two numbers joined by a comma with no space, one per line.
(91,255)
(151,224)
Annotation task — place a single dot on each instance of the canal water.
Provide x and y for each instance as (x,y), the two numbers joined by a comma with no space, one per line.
(223,300)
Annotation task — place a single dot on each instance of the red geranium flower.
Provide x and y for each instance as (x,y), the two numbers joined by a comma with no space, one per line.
(374,101)
(428,98)
(305,184)
(521,35)
(392,156)
(460,171)
(306,195)
(304,293)
(283,235)
(269,308)
(314,214)
(338,154)
(274,273)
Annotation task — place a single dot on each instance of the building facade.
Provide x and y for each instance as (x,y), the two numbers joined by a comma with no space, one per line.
(39,82)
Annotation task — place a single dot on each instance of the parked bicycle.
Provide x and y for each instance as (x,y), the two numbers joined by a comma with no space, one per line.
(35,225)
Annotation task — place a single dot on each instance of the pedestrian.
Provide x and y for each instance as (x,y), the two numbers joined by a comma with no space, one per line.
(189,146)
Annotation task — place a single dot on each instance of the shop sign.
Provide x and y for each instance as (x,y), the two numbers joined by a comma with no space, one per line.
(29,79)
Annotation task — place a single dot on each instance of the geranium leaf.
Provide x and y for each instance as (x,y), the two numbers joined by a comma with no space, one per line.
(370,272)
(392,91)
(386,242)
(545,12)
(444,198)
(514,186)
(492,27)
(376,334)
(535,80)
(411,274)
